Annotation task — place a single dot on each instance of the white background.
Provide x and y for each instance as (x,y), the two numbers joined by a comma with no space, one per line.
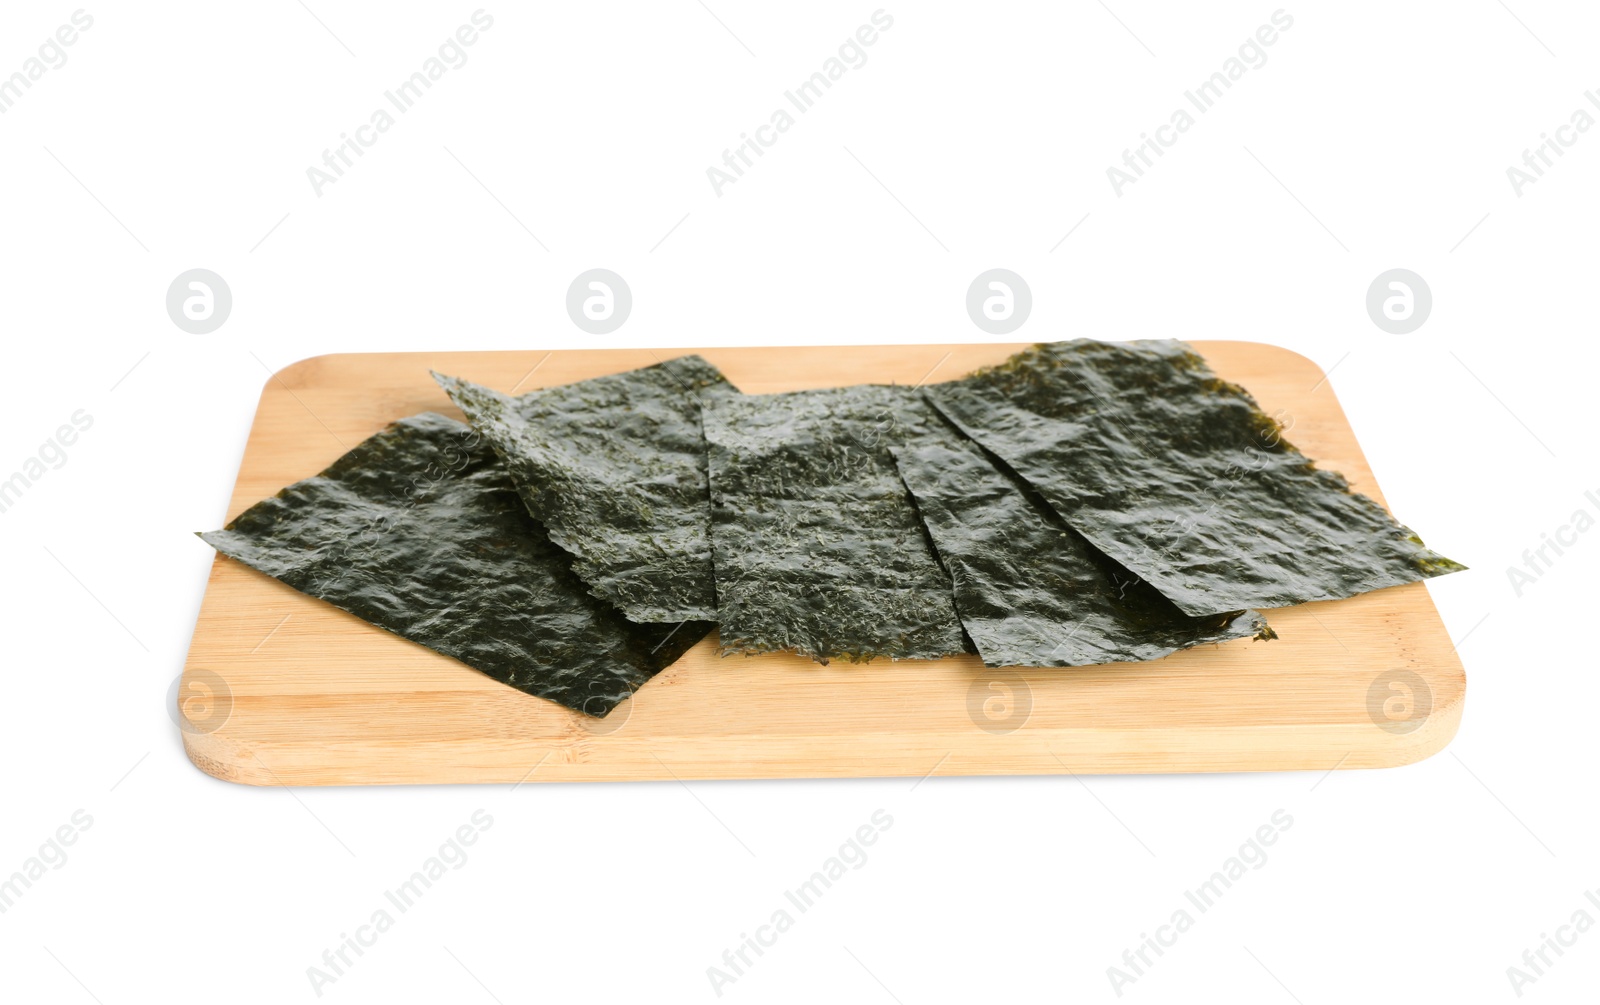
(178,136)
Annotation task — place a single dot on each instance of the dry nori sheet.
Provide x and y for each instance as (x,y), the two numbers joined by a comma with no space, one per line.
(1181,477)
(419,531)
(615,469)
(1029,589)
(818,546)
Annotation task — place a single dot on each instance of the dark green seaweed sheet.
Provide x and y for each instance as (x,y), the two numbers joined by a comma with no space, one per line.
(615,469)
(1181,477)
(818,547)
(419,531)
(1029,589)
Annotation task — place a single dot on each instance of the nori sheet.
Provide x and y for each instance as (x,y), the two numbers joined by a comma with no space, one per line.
(818,547)
(1029,589)
(615,469)
(419,531)
(1181,477)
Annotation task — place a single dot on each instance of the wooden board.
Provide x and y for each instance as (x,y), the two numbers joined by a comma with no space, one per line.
(289,690)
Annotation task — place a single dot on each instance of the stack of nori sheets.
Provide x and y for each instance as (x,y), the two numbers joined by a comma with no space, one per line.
(1181,477)
(615,469)
(1081,503)
(1032,591)
(419,530)
(816,542)
(559,545)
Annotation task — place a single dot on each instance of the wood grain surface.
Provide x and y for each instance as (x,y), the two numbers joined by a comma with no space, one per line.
(283,689)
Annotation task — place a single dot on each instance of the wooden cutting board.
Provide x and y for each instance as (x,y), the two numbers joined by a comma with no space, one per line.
(282,689)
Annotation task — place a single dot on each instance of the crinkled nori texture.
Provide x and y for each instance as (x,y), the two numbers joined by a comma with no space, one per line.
(615,468)
(1029,589)
(818,545)
(419,531)
(1181,477)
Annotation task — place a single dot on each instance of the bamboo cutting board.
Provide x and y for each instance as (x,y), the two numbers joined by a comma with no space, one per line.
(281,689)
